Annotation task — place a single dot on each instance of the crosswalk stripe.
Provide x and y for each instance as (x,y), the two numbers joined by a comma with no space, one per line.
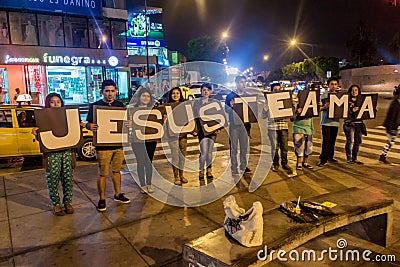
(375,140)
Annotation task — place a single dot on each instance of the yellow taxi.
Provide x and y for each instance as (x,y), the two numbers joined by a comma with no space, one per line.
(16,139)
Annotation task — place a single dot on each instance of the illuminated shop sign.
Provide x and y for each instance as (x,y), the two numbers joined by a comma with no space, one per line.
(9,60)
(48,59)
(142,42)
(87,8)
(163,61)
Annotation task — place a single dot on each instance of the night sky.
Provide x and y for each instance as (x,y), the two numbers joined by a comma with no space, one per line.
(258,27)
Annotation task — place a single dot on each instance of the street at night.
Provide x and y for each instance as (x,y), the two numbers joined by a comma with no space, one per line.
(199,133)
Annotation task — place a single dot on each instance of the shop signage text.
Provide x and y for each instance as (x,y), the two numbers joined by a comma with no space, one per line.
(81,7)
(10,59)
(74,60)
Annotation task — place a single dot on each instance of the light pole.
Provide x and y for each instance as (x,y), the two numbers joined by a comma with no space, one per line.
(224,37)
(147,44)
(294,42)
(265,59)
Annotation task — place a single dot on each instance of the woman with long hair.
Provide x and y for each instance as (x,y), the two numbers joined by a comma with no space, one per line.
(144,160)
(352,126)
(177,143)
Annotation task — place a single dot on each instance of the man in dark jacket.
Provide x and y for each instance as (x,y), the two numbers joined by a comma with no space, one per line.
(391,124)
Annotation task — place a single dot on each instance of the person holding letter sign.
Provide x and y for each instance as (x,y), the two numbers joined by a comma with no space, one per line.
(303,130)
(353,127)
(107,155)
(238,134)
(391,123)
(329,127)
(278,132)
(59,166)
(178,143)
(144,150)
(206,141)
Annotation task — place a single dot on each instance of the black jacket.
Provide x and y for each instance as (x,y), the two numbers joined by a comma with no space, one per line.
(392,120)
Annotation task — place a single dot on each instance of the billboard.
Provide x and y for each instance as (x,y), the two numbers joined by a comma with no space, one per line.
(87,8)
(137,20)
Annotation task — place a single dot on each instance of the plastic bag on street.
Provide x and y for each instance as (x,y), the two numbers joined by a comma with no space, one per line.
(245,227)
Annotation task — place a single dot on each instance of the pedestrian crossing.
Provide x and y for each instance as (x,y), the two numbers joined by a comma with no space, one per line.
(163,151)
(369,152)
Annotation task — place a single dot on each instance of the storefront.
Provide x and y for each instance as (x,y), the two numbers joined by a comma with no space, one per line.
(75,73)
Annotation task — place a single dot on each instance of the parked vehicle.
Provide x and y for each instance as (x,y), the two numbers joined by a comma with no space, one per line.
(16,139)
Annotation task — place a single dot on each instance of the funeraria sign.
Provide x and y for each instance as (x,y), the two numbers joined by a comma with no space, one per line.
(63,60)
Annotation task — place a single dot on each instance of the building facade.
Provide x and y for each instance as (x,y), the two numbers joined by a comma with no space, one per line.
(68,47)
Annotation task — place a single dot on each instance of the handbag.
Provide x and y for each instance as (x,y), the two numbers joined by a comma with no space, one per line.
(364,129)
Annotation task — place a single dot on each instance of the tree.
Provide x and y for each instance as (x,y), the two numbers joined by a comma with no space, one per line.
(363,45)
(205,48)
(394,46)
(275,75)
(324,64)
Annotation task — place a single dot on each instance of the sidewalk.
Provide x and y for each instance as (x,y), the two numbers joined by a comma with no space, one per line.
(148,232)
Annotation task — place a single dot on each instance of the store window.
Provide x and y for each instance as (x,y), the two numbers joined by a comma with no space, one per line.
(51,32)
(69,82)
(76,32)
(4,97)
(4,34)
(37,83)
(23,28)
(123,84)
(95,78)
(99,33)
(119,37)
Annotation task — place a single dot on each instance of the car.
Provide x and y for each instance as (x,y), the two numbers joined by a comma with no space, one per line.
(299,86)
(16,139)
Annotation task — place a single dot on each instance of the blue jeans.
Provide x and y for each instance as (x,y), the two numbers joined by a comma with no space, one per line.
(353,132)
(238,138)
(279,140)
(206,148)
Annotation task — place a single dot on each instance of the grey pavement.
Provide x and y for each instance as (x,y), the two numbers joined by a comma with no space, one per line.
(147,232)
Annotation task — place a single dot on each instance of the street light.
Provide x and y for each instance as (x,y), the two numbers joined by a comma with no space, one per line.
(294,42)
(224,37)
(266,57)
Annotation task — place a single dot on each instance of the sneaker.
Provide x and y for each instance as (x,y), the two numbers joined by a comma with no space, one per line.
(358,162)
(383,159)
(333,160)
(143,189)
(101,206)
(298,167)
(287,169)
(184,180)
(247,170)
(349,161)
(275,168)
(321,164)
(177,182)
(150,189)
(68,209)
(57,211)
(121,198)
(307,166)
